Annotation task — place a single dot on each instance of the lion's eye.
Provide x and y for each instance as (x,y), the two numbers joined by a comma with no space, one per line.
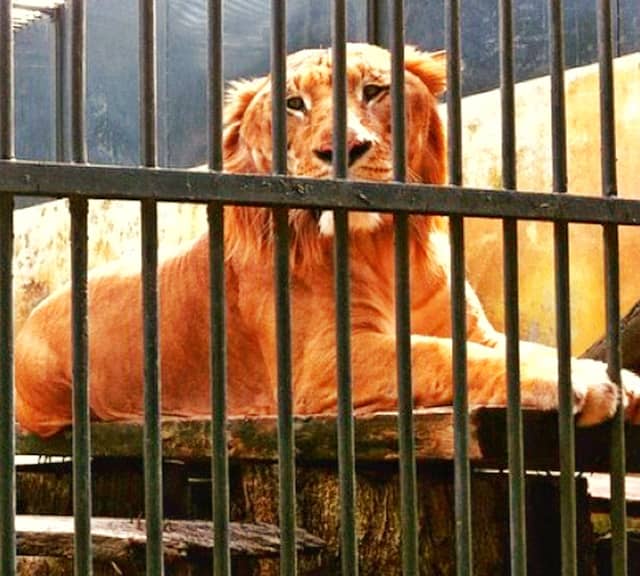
(296,103)
(372,91)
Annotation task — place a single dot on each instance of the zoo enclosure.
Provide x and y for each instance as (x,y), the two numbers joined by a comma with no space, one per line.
(79,181)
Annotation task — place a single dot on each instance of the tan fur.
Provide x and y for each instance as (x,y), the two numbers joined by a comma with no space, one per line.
(43,356)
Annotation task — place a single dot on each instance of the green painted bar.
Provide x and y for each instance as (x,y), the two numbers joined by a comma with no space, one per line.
(406,442)
(215,212)
(7,409)
(464,560)
(179,185)
(80,344)
(220,459)
(566,430)
(286,449)
(517,521)
(152,453)
(80,378)
(612,282)
(346,455)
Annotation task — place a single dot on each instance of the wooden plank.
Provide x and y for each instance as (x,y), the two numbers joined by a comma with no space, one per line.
(123,540)
(541,442)
(375,437)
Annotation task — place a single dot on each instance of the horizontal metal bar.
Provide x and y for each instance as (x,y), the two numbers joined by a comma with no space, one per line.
(52,179)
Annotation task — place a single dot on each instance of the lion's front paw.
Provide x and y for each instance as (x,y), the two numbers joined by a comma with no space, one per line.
(596,397)
(631,396)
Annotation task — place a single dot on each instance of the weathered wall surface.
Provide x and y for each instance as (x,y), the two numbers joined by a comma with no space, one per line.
(42,254)
(482,165)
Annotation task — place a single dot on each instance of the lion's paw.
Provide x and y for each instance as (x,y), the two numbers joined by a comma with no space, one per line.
(596,397)
(631,396)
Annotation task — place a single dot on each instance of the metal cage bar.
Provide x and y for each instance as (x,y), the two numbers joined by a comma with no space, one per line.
(281,194)
(517,520)
(60,23)
(566,432)
(79,331)
(374,34)
(612,284)
(7,409)
(149,227)
(346,450)
(462,479)
(286,448)
(179,185)
(406,441)
(218,360)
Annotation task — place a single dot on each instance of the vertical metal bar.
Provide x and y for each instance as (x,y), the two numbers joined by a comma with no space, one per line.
(7,409)
(80,339)
(512,330)
(464,564)
(60,26)
(566,432)
(286,448)
(373,22)
(408,490)
(612,274)
(346,450)
(149,225)
(220,462)
(7,118)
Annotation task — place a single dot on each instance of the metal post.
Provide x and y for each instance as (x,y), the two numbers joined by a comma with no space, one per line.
(149,226)
(458,307)
(512,329)
(406,442)
(346,451)
(7,409)
(286,449)
(612,280)
(80,340)
(566,432)
(220,461)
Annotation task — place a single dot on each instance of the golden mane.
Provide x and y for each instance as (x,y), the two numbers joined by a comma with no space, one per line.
(249,230)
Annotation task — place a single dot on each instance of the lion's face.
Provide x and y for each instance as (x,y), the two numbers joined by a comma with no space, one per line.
(248,144)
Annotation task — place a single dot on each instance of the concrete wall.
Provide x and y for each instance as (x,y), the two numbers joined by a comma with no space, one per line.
(482,167)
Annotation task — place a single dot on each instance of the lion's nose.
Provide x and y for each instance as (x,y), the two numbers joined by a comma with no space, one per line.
(357,149)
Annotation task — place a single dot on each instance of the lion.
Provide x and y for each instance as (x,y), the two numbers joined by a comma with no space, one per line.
(43,348)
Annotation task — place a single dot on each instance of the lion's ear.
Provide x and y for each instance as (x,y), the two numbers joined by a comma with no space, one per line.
(429,67)
(237,157)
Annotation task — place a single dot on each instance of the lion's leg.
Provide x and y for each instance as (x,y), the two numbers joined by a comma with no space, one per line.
(375,382)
